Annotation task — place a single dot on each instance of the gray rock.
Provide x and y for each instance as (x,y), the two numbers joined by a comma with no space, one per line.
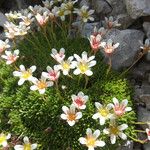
(146,146)
(146,26)
(101,6)
(149,78)
(138,8)
(119,12)
(143,116)
(87,28)
(129,46)
(3,19)
(84,2)
(148,56)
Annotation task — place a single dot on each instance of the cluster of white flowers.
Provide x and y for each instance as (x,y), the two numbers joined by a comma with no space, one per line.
(82,65)
(72,115)
(104,113)
(26,146)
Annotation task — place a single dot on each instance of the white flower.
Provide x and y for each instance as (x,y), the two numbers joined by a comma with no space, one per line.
(66,65)
(114,131)
(4,45)
(84,13)
(48,4)
(10,56)
(148,133)
(58,56)
(109,47)
(101,31)
(146,45)
(41,85)
(26,146)
(111,23)
(91,140)
(120,108)
(60,12)
(3,139)
(13,15)
(84,64)
(71,115)
(42,19)
(27,18)
(103,113)
(80,100)
(51,74)
(25,74)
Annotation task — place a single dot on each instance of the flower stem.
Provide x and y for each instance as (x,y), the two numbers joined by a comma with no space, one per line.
(45,34)
(137,140)
(86,81)
(140,123)
(110,65)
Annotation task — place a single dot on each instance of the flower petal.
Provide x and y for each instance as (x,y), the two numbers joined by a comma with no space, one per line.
(100,143)
(82,140)
(96,134)
(122,127)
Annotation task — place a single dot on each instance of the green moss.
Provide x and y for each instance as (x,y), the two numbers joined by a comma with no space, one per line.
(24,112)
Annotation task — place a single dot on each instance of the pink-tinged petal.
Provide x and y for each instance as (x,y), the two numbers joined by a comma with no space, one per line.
(98,105)
(5,57)
(128,109)
(9,62)
(70,58)
(124,102)
(82,140)
(65,109)
(103,44)
(95,116)
(33,68)
(72,108)
(90,148)
(17,73)
(92,63)
(26,140)
(22,68)
(84,56)
(41,91)
(82,107)
(80,94)
(73,97)
(109,106)
(77,57)
(122,135)
(45,74)
(49,69)
(77,72)
(96,134)
(4,143)
(33,146)
(113,139)
(8,53)
(62,50)
(122,127)
(63,116)
(89,73)
(115,101)
(100,143)
(65,72)
(116,45)
(71,123)
(106,131)
(78,115)
(102,120)
(8,136)
(21,81)
(54,51)
(50,83)
(19,147)
(89,132)
(33,88)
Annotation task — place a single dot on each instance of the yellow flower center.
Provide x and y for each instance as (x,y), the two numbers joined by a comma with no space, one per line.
(61,13)
(104,112)
(90,141)
(85,14)
(42,85)
(26,74)
(71,116)
(83,67)
(114,130)
(66,66)
(27,146)
(2,138)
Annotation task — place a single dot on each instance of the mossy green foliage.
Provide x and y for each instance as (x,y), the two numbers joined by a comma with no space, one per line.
(27,113)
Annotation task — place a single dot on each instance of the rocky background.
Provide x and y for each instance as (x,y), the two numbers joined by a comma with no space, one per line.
(134,16)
